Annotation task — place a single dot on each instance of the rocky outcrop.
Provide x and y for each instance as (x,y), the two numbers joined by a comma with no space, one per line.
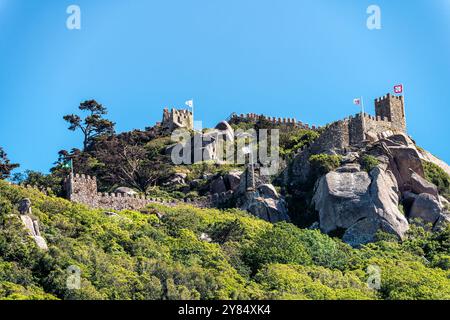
(176,179)
(426,208)
(218,186)
(359,205)
(426,156)
(232,180)
(421,185)
(31,225)
(25,206)
(125,191)
(266,204)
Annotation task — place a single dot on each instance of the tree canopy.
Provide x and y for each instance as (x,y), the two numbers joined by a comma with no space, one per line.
(93,125)
(5,165)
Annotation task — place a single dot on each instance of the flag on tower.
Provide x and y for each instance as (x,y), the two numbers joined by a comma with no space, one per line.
(398,89)
(357,101)
(67,164)
(190,103)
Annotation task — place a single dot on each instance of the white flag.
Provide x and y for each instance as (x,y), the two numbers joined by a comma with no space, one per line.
(190,103)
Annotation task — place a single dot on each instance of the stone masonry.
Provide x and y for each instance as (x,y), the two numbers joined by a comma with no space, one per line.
(284,122)
(176,119)
(355,130)
(82,189)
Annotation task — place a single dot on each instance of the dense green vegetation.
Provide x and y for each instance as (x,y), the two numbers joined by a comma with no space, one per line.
(369,162)
(323,163)
(140,256)
(5,165)
(438,177)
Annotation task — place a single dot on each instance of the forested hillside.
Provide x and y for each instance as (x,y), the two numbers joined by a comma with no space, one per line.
(190,253)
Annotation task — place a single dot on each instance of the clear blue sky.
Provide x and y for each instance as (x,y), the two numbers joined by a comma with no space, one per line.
(306,59)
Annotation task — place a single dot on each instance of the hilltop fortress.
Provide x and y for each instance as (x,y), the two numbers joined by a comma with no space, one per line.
(340,136)
(352,131)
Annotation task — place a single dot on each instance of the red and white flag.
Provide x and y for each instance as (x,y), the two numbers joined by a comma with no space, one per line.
(357,101)
(398,89)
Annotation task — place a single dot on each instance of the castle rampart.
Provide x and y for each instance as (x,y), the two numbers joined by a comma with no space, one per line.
(176,119)
(82,189)
(357,129)
(286,122)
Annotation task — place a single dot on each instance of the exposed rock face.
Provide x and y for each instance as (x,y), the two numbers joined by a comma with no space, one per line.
(176,179)
(268,191)
(126,191)
(427,208)
(405,160)
(25,206)
(420,185)
(425,155)
(266,204)
(233,179)
(226,130)
(359,204)
(31,225)
(218,186)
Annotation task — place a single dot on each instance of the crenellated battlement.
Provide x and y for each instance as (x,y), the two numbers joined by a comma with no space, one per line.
(82,189)
(387,97)
(392,108)
(288,122)
(177,118)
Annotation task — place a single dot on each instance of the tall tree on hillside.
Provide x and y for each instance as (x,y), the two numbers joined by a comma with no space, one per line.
(132,165)
(5,165)
(94,125)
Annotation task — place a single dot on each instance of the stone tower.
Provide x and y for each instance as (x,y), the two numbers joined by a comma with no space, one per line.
(393,108)
(176,119)
(81,188)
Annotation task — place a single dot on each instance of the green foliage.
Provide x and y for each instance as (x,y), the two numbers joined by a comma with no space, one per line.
(94,125)
(279,244)
(5,165)
(438,177)
(295,139)
(51,183)
(369,162)
(324,163)
(284,281)
(140,256)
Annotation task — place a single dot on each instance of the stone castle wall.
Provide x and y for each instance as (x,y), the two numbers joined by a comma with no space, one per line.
(354,130)
(175,119)
(82,189)
(335,136)
(288,122)
(392,108)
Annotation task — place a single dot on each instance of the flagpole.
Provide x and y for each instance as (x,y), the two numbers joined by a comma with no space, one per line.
(363,119)
(193,119)
(404,102)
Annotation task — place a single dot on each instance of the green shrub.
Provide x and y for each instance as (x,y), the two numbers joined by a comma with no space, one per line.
(438,177)
(293,282)
(369,162)
(279,244)
(292,140)
(324,163)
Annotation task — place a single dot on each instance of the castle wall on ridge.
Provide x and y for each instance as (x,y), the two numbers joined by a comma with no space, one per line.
(82,189)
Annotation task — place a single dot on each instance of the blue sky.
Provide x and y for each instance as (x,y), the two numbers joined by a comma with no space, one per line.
(306,59)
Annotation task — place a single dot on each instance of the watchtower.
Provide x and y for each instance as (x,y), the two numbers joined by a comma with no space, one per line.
(176,119)
(80,188)
(393,108)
